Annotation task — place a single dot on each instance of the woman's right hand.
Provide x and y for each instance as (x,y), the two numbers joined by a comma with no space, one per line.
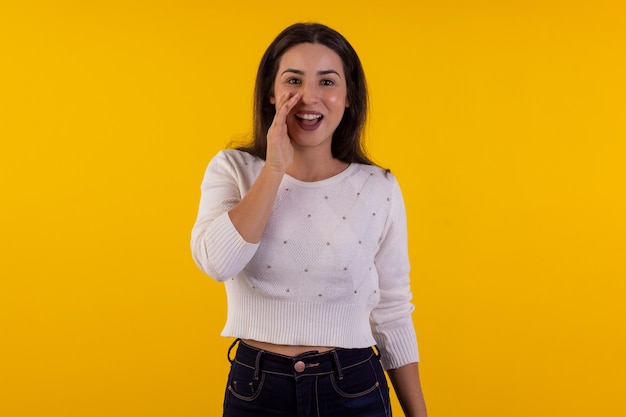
(279,148)
(253,211)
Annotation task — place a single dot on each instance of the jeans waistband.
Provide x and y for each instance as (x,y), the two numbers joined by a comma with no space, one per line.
(308,363)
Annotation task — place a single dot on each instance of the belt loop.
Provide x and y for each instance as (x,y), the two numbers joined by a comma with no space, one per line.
(337,364)
(230,349)
(257,363)
(376,351)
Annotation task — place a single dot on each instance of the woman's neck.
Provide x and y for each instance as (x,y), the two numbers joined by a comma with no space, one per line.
(315,169)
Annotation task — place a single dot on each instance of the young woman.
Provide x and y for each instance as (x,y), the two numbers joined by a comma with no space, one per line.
(310,239)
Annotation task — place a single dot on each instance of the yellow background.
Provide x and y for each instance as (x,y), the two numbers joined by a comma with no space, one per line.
(505,123)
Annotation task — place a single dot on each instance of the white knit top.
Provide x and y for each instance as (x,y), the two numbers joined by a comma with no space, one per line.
(331,268)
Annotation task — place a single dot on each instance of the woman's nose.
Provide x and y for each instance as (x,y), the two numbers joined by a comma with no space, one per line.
(310,93)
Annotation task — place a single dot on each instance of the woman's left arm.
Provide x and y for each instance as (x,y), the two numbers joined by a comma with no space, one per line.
(392,324)
(406,384)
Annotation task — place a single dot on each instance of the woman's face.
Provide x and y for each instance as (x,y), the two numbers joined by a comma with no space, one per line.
(316,72)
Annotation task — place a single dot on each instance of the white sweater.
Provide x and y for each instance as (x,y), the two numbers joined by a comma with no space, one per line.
(331,268)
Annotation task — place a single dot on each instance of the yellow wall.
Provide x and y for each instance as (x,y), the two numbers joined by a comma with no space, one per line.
(504,121)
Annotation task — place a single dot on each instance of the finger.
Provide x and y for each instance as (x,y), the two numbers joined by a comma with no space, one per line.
(286,105)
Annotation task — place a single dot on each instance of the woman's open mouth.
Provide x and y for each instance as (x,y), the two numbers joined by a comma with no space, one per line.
(308,121)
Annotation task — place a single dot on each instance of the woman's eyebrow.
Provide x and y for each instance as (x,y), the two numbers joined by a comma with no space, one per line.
(295,71)
(330,71)
(300,72)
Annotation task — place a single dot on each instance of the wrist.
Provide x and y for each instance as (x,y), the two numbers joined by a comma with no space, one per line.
(272,170)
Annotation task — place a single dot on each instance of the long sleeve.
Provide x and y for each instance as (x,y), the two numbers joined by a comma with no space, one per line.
(391,321)
(216,246)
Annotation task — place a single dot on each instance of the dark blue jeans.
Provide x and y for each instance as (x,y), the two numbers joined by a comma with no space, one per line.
(339,383)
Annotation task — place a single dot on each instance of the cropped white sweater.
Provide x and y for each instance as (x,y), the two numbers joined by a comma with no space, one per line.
(331,268)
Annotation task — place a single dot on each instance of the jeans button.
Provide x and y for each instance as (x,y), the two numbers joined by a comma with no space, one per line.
(299,366)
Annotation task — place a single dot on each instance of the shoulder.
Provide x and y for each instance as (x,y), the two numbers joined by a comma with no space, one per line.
(376,176)
(378,184)
(233,160)
(233,166)
(235,157)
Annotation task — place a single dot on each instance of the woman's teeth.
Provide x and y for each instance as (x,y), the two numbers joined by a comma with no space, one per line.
(309,116)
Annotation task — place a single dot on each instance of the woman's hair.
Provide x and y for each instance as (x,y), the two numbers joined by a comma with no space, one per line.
(347,139)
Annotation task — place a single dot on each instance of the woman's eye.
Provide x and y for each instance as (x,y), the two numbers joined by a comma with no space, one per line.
(293,81)
(327,82)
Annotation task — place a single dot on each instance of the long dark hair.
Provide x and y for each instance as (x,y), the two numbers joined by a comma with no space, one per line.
(347,143)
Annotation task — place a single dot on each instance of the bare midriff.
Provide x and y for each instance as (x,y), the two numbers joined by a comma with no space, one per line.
(287,350)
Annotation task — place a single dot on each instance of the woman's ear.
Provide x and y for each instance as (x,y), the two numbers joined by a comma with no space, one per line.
(272,99)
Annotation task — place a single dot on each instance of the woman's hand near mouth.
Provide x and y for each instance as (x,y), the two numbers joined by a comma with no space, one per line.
(251,214)
(279,148)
